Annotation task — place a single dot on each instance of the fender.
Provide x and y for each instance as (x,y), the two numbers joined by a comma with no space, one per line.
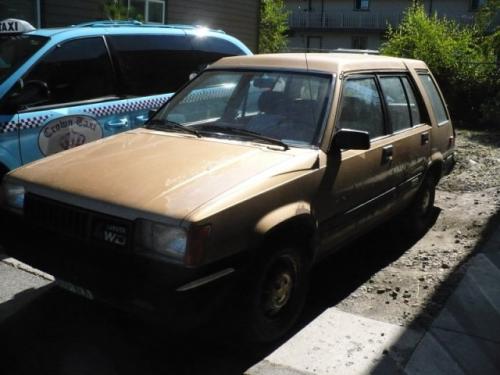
(281,215)
(8,160)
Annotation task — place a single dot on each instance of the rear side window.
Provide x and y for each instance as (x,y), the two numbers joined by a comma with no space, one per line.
(361,107)
(210,49)
(416,117)
(77,70)
(397,104)
(152,64)
(436,100)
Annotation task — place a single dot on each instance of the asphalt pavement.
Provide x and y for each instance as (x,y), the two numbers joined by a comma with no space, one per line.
(50,331)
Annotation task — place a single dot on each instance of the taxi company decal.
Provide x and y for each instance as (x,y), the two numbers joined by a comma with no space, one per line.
(68,132)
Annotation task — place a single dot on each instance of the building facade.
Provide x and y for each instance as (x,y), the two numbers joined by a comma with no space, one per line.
(238,18)
(359,24)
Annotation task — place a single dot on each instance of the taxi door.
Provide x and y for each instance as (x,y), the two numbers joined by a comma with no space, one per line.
(68,84)
(10,157)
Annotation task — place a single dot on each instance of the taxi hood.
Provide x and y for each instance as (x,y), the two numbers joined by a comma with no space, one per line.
(159,173)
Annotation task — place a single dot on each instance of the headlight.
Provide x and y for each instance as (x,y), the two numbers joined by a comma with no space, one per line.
(12,196)
(162,239)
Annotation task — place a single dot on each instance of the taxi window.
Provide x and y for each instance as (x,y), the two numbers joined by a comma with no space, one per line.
(152,64)
(77,70)
(15,50)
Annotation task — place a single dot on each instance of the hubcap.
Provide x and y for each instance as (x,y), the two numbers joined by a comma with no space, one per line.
(277,291)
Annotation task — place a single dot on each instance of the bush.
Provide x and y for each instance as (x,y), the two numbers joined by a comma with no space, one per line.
(459,57)
(273,26)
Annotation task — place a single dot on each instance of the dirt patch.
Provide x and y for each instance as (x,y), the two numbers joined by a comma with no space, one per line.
(413,288)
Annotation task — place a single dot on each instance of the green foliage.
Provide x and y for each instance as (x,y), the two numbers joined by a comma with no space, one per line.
(273,26)
(460,57)
(116,10)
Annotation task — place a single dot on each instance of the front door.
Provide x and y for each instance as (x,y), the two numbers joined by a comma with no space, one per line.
(359,183)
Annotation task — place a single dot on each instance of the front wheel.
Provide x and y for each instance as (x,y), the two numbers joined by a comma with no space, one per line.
(277,295)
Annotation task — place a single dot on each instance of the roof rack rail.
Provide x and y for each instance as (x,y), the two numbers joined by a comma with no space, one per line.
(353,50)
(131,22)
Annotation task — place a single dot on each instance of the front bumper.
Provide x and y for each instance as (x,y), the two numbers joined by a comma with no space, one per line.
(122,278)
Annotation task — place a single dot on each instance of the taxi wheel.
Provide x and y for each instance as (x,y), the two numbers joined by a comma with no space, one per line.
(277,296)
(419,215)
(3,172)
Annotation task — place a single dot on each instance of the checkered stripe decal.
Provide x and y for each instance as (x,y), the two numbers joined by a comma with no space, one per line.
(132,105)
(27,123)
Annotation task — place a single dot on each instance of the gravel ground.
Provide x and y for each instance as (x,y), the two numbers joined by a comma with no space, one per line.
(412,288)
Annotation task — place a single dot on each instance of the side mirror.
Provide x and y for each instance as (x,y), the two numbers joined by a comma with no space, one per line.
(32,93)
(349,139)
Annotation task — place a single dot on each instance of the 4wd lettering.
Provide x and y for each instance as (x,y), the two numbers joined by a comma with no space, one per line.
(116,235)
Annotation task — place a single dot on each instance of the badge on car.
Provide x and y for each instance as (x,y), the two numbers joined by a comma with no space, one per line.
(115,233)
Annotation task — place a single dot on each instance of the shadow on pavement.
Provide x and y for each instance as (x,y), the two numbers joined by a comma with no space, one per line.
(470,356)
(60,333)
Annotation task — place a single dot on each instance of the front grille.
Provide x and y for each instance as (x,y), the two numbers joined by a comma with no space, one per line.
(64,220)
(57,217)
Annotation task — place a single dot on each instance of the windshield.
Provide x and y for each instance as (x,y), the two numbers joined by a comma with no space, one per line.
(15,50)
(287,107)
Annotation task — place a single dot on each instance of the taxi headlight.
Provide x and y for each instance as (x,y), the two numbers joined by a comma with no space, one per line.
(163,239)
(12,196)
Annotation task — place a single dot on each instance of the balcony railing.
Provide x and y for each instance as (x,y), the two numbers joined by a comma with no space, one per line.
(352,20)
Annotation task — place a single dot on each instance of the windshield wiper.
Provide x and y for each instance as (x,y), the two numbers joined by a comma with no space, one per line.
(247,133)
(163,123)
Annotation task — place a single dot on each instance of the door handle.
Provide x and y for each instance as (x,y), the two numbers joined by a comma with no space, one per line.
(387,153)
(424,138)
(141,118)
(121,123)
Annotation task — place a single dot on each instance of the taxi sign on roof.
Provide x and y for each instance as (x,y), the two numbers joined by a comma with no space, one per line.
(13,26)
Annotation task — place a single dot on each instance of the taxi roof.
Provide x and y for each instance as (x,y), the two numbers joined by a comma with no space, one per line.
(332,63)
(98,28)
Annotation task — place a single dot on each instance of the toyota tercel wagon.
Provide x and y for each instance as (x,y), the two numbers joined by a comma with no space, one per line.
(232,196)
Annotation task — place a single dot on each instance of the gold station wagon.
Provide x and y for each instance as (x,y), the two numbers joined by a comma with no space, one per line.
(248,176)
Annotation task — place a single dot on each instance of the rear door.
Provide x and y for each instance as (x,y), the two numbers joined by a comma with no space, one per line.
(80,78)
(411,132)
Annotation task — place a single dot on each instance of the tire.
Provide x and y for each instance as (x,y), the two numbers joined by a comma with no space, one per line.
(419,215)
(277,295)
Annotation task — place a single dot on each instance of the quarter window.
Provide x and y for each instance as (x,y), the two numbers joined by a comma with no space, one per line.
(435,98)
(361,107)
(77,70)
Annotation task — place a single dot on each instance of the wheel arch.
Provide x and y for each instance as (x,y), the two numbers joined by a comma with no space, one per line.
(291,223)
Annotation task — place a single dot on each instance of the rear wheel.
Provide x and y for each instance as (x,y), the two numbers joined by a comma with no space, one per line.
(277,295)
(419,215)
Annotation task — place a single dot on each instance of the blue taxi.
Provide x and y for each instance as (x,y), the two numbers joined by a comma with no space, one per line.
(63,87)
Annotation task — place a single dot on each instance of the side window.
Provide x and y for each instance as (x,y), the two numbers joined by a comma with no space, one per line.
(361,108)
(416,117)
(77,70)
(152,64)
(436,100)
(397,105)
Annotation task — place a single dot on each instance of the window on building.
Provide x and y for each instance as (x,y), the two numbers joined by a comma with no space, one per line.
(149,10)
(361,107)
(476,4)
(359,42)
(361,4)
(77,70)
(28,10)
(314,43)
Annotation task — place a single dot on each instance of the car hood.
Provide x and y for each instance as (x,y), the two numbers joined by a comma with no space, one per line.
(154,172)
